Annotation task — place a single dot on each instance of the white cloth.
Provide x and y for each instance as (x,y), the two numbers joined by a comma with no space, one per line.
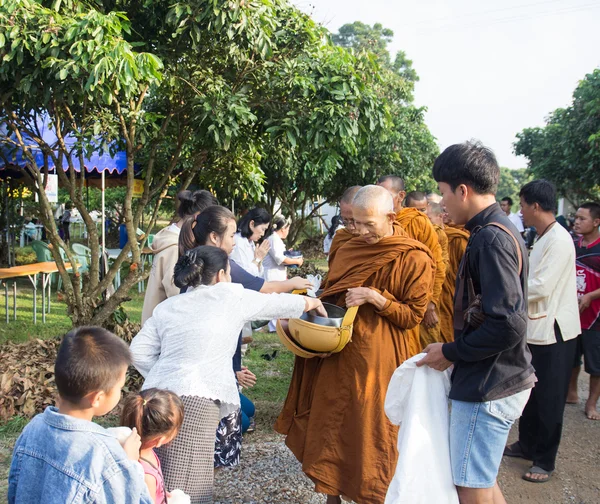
(329,239)
(188,343)
(243,255)
(417,398)
(552,292)
(515,218)
(273,267)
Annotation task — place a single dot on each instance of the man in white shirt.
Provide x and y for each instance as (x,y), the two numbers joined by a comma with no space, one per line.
(506,205)
(552,330)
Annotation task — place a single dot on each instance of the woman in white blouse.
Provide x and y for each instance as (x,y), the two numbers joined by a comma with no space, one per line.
(187,346)
(276,261)
(251,229)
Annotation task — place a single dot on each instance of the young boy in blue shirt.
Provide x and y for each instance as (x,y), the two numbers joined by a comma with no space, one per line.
(61,455)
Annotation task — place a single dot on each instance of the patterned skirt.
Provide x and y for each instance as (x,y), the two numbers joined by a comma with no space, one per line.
(187,461)
(228,444)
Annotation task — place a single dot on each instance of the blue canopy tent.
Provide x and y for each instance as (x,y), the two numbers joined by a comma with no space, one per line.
(100,168)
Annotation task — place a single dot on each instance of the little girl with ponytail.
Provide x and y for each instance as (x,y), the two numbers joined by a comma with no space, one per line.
(157,416)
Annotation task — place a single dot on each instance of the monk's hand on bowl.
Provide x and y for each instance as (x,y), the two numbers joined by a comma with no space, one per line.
(430,319)
(359,296)
(315,304)
(435,358)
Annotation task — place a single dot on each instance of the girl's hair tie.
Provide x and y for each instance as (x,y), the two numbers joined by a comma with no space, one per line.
(145,402)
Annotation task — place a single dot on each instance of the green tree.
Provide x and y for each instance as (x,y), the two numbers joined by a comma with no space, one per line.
(510,184)
(567,150)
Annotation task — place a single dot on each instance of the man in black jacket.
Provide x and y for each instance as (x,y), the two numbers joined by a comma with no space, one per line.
(493,376)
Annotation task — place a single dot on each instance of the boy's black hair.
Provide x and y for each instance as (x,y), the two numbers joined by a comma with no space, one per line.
(89,359)
(468,163)
(541,192)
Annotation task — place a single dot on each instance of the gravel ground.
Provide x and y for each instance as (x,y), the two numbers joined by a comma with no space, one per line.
(269,473)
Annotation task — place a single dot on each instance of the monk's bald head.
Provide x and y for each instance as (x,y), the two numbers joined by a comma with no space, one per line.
(373,212)
(417,199)
(435,212)
(346,208)
(395,186)
(434,198)
(349,194)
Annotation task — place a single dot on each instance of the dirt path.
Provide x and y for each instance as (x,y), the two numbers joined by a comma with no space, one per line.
(270,474)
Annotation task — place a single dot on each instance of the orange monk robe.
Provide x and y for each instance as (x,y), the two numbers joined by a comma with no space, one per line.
(334,416)
(457,244)
(430,335)
(419,227)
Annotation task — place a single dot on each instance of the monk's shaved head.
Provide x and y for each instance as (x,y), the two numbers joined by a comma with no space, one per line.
(373,198)
(414,197)
(434,198)
(395,186)
(349,194)
(373,213)
(391,182)
(435,209)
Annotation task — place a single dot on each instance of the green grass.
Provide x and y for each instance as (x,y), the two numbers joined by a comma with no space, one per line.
(57,321)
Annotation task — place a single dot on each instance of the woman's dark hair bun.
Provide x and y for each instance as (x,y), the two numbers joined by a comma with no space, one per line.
(188,270)
(193,202)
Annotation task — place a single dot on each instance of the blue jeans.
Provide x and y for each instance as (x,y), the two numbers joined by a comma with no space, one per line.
(478,434)
(248,411)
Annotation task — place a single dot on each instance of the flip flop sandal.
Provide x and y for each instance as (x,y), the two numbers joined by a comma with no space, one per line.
(537,470)
(514,450)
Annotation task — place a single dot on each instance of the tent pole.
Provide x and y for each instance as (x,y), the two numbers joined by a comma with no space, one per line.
(103,217)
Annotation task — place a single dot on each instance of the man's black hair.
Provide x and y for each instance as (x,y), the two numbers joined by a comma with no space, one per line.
(468,163)
(508,200)
(541,192)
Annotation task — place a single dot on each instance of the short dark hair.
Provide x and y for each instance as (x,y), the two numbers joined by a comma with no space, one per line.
(415,196)
(154,413)
(508,200)
(397,182)
(199,266)
(258,215)
(593,207)
(541,192)
(89,359)
(191,203)
(468,163)
(195,232)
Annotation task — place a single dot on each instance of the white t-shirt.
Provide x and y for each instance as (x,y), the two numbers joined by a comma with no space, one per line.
(243,255)
(516,220)
(273,266)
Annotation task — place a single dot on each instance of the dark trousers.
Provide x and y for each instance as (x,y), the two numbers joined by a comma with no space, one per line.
(540,427)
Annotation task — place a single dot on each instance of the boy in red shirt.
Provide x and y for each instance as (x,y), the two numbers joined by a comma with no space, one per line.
(587,247)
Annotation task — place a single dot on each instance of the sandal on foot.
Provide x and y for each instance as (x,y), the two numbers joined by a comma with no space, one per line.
(537,470)
(514,450)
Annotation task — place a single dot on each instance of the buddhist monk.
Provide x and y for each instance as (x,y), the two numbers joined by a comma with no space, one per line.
(343,235)
(418,227)
(433,198)
(334,416)
(457,244)
(435,212)
(418,200)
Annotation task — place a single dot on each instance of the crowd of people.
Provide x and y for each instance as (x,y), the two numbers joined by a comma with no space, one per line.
(449,276)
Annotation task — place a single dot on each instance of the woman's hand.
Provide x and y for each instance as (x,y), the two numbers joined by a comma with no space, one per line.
(262,250)
(132,445)
(314,304)
(299,283)
(300,261)
(246,378)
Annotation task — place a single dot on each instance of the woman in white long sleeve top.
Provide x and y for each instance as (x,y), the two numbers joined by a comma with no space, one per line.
(187,346)
(251,229)
(275,262)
